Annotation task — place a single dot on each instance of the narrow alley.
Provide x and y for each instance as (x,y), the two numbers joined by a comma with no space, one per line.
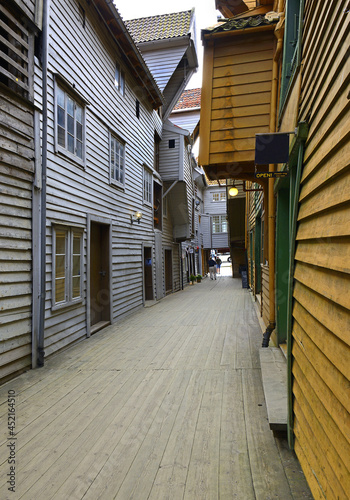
(165,404)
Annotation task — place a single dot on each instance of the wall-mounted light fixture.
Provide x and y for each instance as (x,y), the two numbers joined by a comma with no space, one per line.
(233,191)
(136,217)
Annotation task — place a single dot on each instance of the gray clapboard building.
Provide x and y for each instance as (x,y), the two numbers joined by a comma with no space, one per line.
(90,228)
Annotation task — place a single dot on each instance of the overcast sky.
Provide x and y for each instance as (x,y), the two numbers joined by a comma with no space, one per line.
(206,16)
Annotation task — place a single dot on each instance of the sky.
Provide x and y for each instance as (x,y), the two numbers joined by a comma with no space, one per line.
(206,16)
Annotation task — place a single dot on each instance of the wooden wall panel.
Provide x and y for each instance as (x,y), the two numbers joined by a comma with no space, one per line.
(321,327)
(239,98)
(16,177)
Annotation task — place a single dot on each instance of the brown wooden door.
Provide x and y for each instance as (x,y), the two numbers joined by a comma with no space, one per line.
(99,276)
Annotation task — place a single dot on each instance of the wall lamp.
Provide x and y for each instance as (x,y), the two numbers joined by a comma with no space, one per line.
(233,191)
(136,217)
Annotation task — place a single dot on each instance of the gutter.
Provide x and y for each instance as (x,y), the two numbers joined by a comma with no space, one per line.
(271,198)
(41,333)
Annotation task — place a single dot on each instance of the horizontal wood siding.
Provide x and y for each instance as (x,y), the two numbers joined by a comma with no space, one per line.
(163,62)
(265,298)
(16,178)
(74,192)
(241,95)
(187,120)
(169,158)
(321,328)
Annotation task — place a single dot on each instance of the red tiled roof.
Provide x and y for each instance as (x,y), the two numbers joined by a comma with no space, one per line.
(160,27)
(189,99)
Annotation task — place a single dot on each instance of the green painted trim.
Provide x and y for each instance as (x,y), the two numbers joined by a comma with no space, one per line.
(301,133)
(294,201)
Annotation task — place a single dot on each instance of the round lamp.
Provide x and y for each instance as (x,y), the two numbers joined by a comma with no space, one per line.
(233,191)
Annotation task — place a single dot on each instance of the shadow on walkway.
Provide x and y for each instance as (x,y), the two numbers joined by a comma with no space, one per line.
(166,404)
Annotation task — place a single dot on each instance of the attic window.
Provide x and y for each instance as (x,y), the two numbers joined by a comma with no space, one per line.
(171,143)
(137,108)
(119,79)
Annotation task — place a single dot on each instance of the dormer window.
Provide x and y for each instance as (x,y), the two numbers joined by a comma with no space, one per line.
(119,80)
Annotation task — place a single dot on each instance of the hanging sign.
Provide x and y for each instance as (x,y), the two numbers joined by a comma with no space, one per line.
(271,148)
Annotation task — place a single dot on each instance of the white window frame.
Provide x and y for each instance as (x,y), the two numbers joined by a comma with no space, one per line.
(78,105)
(119,79)
(217,197)
(69,298)
(113,140)
(219,223)
(147,186)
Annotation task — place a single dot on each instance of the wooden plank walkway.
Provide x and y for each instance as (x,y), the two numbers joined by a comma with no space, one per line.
(166,404)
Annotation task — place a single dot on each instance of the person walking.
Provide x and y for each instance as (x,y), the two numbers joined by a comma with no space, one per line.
(218,264)
(212,267)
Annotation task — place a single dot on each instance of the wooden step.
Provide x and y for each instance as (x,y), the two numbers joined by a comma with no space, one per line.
(274,377)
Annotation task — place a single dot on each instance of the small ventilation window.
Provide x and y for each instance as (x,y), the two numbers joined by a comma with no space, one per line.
(171,143)
(137,108)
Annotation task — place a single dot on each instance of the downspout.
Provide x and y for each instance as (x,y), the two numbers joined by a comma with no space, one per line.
(45,42)
(271,197)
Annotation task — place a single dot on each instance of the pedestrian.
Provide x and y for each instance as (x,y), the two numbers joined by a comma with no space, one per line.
(212,267)
(218,264)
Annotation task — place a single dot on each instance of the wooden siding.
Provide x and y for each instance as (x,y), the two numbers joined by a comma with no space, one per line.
(73,192)
(169,158)
(163,62)
(321,328)
(16,178)
(238,98)
(188,120)
(265,299)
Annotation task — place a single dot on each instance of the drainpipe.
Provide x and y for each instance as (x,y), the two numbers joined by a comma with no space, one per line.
(40,349)
(271,197)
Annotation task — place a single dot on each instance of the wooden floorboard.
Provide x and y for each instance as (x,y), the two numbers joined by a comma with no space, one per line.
(165,404)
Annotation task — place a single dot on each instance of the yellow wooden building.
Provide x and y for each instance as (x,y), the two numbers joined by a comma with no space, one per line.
(277,67)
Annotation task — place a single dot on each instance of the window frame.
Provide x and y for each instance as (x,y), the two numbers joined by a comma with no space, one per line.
(119,82)
(147,174)
(69,299)
(221,223)
(221,197)
(292,46)
(78,101)
(113,180)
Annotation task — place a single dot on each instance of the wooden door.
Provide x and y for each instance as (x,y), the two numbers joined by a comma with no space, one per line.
(99,277)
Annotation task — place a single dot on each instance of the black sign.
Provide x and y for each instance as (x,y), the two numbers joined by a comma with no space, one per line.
(271,148)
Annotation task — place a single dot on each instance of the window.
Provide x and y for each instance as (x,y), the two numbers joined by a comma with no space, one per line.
(117,160)
(67,266)
(291,45)
(171,143)
(69,125)
(119,79)
(137,108)
(219,196)
(147,186)
(219,224)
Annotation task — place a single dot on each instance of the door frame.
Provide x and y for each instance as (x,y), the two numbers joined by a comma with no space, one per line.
(106,222)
